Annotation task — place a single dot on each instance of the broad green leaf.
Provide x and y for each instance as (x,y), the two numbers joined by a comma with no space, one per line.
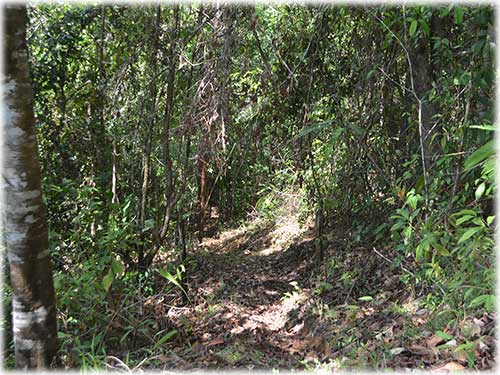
(465,212)
(108,280)
(469,233)
(463,219)
(459,14)
(425,27)
(408,231)
(336,134)
(480,190)
(479,155)
(490,303)
(357,130)
(413,27)
(478,221)
(397,226)
(331,143)
(490,219)
(443,335)
(117,267)
(370,73)
(489,168)
(441,249)
(403,212)
(413,200)
(326,286)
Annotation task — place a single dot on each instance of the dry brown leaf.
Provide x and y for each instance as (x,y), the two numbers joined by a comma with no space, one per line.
(421,350)
(218,340)
(314,341)
(453,366)
(327,352)
(297,346)
(434,341)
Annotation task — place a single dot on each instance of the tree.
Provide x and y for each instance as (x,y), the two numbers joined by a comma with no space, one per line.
(24,221)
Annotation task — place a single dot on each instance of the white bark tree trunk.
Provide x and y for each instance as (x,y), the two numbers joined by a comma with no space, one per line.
(24,224)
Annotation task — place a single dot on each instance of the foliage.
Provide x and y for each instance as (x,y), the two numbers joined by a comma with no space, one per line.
(157,124)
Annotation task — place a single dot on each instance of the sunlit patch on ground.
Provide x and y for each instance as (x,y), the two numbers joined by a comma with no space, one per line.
(258,304)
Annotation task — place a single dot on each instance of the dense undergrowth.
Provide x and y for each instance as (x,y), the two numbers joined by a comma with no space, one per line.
(298,133)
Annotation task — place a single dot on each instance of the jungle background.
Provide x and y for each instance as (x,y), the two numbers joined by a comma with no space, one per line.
(277,186)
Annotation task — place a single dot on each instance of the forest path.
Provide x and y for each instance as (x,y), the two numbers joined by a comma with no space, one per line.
(249,288)
(259,300)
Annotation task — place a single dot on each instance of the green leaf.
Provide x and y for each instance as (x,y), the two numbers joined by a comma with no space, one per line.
(108,280)
(148,224)
(413,200)
(425,27)
(370,73)
(167,275)
(479,155)
(441,250)
(484,127)
(419,251)
(465,212)
(117,267)
(312,128)
(490,303)
(336,134)
(443,335)
(357,130)
(365,298)
(408,232)
(397,226)
(469,233)
(459,14)
(480,190)
(488,168)
(487,300)
(326,286)
(413,27)
(463,219)
(419,184)
(165,338)
(405,214)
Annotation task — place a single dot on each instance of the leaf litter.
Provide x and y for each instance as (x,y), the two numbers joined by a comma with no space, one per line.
(258,301)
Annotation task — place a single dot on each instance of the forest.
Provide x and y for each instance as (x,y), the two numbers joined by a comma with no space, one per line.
(259,187)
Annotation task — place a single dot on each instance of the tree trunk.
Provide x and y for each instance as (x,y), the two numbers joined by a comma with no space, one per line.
(422,76)
(152,116)
(24,221)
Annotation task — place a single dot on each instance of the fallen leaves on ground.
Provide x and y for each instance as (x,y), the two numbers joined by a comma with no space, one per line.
(258,301)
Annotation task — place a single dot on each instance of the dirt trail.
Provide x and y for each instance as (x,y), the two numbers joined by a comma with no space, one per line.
(259,300)
(249,287)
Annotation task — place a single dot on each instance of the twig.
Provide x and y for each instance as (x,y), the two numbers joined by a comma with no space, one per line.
(390,261)
(120,363)
(145,360)
(419,102)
